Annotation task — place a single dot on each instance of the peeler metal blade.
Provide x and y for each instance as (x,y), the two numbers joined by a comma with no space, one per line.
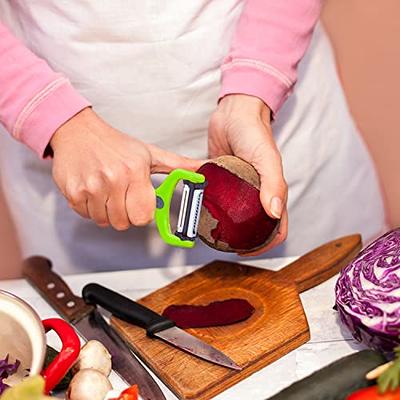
(189,214)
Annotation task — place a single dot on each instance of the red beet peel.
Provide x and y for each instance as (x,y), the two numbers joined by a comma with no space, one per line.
(217,313)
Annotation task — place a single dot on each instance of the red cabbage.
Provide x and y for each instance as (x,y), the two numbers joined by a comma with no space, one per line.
(368,293)
(7,369)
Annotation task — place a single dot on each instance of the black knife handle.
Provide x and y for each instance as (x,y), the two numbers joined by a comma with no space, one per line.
(126,309)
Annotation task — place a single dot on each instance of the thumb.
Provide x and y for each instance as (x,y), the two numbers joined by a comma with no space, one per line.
(273,188)
(164,161)
(273,199)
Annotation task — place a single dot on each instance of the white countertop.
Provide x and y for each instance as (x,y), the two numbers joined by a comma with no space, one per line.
(328,341)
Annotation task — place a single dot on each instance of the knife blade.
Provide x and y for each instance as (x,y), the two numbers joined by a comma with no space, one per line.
(90,324)
(156,325)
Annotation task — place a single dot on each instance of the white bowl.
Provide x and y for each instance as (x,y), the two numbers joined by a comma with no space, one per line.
(22,336)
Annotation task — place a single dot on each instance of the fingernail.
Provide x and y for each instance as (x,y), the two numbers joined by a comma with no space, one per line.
(276,207)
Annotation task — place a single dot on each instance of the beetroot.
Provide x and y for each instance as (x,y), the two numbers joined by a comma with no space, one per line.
(217,313)
(232,216)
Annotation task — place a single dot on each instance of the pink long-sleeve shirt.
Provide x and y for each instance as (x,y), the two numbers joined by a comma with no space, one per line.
(271,38)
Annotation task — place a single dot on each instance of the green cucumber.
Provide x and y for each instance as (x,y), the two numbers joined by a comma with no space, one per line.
(51,354)
(335,381)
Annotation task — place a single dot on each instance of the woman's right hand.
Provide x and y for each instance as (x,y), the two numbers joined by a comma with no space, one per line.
(105,174)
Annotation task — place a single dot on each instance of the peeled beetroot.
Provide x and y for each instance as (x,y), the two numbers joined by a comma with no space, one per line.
(232,216)
(217,313)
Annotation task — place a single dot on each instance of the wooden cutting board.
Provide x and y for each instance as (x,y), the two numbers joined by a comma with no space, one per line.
(278,325)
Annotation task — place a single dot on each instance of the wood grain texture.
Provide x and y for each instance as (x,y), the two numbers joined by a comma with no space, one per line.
(278,325)
(320,264)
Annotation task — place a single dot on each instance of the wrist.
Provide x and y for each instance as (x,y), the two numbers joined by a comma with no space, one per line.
(83,116)
(245,104)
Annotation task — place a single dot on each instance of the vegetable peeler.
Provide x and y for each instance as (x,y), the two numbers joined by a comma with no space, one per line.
(189,213)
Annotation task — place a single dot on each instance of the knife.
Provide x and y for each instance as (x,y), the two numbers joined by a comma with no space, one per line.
(156,325)
(90,324)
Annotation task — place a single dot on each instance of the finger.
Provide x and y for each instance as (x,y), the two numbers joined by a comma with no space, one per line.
(77,199)
(140,202)
(164,161)
(116,209)
(81,208)
(97,210)
(279,238)
(98,193)
(273,188)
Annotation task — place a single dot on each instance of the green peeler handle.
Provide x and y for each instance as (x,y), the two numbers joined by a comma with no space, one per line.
(164,195)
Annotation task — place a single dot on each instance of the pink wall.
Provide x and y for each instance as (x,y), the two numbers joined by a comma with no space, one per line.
(10,262)
(366,38)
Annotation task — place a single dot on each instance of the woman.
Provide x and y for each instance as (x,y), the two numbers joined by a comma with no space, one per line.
(153,70)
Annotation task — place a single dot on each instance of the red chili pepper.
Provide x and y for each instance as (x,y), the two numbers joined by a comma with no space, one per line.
(131,393)
(71,347)
(371,393)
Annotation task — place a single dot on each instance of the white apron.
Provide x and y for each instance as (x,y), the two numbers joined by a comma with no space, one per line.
(151,69)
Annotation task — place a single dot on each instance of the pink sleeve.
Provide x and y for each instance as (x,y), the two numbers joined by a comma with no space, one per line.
(34,100)
(271,38)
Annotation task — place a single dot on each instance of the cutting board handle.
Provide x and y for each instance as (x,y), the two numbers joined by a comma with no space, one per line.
(322,263)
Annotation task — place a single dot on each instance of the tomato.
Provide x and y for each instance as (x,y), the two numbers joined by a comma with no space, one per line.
(371,393)
(131,393)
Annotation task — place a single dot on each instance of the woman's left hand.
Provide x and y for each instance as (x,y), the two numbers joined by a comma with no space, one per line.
(241,126)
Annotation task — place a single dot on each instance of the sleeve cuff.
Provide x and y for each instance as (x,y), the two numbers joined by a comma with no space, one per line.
(255,82)
(51,112)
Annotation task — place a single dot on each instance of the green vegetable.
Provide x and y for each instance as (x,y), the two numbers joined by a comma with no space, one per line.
(51,354)
(31,388)
(335,381)
(390,379)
